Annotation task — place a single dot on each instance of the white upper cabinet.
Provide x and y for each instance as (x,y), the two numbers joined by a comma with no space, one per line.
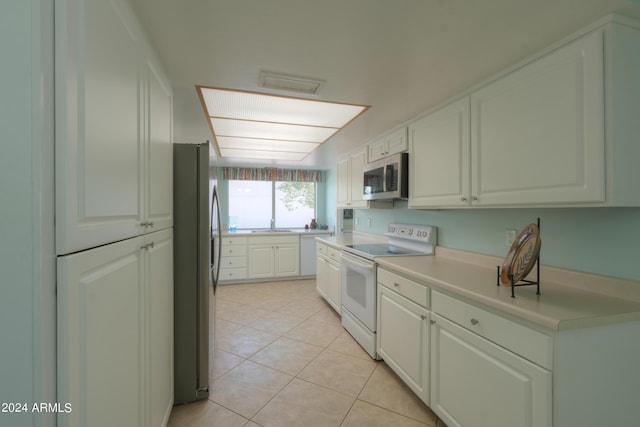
(555,131)
(392,143)
(343,182)
(538,133)
(357,161)
(350,182)
(350,178)
(439,160)
(113,127)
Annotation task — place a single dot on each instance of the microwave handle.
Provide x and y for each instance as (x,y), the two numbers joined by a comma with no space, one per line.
(388,178)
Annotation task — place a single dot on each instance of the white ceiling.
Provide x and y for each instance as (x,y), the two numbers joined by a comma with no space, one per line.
(399,56)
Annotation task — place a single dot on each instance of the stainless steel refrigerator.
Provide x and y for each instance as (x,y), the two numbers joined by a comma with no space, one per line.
(195,206)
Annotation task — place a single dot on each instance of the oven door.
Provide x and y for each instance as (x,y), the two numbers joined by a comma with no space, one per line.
(359,288)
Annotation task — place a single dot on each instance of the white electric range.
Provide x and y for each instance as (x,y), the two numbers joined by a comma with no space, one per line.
(359,283)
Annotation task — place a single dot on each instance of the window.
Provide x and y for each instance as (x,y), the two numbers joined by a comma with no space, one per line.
(252,204)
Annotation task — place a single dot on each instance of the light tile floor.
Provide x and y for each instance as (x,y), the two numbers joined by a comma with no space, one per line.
(281,358)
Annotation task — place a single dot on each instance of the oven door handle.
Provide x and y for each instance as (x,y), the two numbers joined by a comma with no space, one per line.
(352,259)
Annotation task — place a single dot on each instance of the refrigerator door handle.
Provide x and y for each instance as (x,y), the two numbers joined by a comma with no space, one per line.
(218,245)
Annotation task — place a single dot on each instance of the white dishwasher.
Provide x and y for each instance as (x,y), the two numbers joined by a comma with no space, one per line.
(308,255)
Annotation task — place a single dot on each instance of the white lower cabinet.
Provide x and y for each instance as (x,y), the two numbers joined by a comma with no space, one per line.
(482,368)
(233,258)
(403,339)
(328,278)
(334,289)
(273,256)
(287,260)
(115,333)
(476,383)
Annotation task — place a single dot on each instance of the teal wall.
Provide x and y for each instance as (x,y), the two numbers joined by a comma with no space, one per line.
(596,240)
(329,177)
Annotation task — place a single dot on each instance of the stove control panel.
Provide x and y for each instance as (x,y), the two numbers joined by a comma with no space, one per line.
(419,233)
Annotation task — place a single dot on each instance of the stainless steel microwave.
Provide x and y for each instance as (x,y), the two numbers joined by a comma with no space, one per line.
(387,178)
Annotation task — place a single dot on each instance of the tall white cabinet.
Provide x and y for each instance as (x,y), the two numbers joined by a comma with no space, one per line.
(115,317)
(114,207)
(113,130)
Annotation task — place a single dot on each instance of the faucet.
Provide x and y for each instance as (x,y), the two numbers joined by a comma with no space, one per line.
(273,224)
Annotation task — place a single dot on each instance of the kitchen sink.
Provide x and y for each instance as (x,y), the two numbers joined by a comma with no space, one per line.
(274,230)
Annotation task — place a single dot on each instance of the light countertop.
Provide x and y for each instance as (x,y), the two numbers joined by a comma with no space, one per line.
(292,231)
(567,300)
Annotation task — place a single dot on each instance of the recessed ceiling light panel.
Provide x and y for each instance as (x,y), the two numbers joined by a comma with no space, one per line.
(267,130)
(255,116)
(265,144)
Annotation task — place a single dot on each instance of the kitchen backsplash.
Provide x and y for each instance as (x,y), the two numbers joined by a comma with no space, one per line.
(595,240)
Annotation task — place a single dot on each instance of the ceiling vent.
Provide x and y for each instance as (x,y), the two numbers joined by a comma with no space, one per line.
(289,83)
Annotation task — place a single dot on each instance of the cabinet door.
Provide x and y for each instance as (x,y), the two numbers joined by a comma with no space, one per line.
(475,383)
(334,286)
(159,291)
(261,261)
(343,178)
(376,149)
(538,133)
(287,260)
(322,276)
(396,142)
(98,145)
(403,339)
(357,162)
(101,336)
(439,144)
(159,153)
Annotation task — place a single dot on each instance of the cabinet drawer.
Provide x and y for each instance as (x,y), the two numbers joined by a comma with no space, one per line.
(322,249)
(234,250)
(233,262)
(528,343)
(232,273)
(226,241)
(334,254)
(408,288)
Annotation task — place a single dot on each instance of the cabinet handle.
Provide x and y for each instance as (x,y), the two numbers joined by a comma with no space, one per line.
(474,198)
(433,322)
(396,284)
(147,246)
(474,322)
(423,317)
(463,199)
(150,223)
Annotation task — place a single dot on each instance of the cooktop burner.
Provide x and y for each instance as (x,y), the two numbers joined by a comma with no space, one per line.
(403,239)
